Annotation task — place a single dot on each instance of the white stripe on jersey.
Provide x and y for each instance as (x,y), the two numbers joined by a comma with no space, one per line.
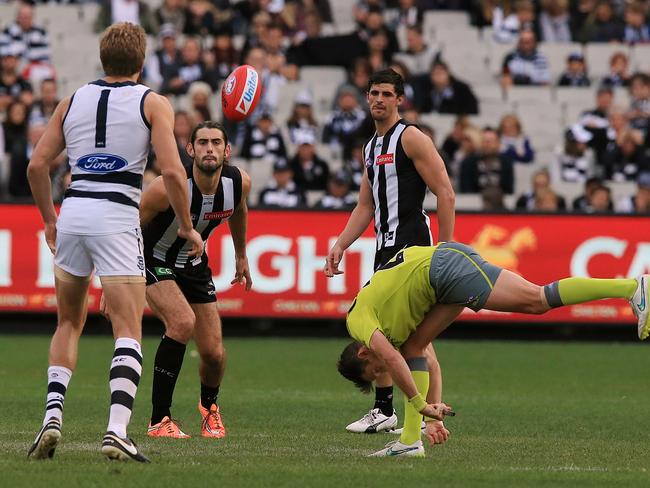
(392,183)
(375,191)
(206,207)
(171,233)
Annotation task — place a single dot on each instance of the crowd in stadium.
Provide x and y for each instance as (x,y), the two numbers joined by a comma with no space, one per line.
(196,47)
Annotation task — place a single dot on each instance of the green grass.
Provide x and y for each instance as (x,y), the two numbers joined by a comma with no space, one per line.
(528,415)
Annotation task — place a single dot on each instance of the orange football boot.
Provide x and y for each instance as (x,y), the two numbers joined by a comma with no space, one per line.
(166,428)
(211,425)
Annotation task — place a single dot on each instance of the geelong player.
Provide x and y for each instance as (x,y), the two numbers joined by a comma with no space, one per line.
(106,128)
(179,287)
(401,163)
(385,320)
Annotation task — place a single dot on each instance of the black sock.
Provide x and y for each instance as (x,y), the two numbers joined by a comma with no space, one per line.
(167,366)
(209,395)
(384,400)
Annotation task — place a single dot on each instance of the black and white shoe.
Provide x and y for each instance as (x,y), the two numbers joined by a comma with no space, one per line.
(372,422)
(121,449)
(46,440)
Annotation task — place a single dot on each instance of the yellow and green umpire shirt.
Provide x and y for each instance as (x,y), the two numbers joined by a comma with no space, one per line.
(396,298)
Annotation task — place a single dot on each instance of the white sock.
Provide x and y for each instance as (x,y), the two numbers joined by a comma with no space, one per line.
(58,378)
(126,368)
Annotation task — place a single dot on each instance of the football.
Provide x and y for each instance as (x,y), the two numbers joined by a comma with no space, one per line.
(240,93)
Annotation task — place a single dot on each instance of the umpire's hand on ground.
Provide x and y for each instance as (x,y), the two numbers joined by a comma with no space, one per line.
(332,261)
(436,432)
(195,239)
(50,236)
(242,273)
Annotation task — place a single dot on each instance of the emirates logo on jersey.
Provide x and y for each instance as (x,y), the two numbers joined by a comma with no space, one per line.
(217,215)
(385,159)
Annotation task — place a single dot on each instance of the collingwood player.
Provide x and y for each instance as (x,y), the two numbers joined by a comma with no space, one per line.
(179,287)
(106,128)
(401,163)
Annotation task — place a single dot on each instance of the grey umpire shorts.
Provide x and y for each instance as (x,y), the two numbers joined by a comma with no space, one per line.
(460,276)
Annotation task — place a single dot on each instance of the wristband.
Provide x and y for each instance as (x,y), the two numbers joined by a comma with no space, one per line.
(418,403)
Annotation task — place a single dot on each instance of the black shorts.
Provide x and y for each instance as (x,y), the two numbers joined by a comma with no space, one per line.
(195,284)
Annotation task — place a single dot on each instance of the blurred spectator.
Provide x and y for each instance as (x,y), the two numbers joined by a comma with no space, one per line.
(310,172)
(183,125)
(259,27)
(134,11)
(618,71)
(12,85)
(227,57)
(179,77)
(199,93)
(541,182)
(263,140)
(173,13)
(301,20)
(454,139)
(273,40)
(625,160)
(618,123)
(344,125)
(282,192)
(470,146)
(583,202)
(482,13)
(554,21)
(44,107)
(409,14)
(166,59)
(525,65)
(640,201)
(600,200)
(492,199)
(375,23)
(514,143)
(379,53)
(15,125)
(20,154)
(358,77)
(639,113)
(205,17)
(418,55)
(355,165)
(601,24)
(574,161)
(32,43)
(507,28)
(636,27)
(487,168)
(302,116)
(441,92)
(338,194)
(409,91)
(575,73)
(546,200)
(596,121)
(361,9)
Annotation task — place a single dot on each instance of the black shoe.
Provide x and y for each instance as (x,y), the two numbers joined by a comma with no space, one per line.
(121,449)
(46,440)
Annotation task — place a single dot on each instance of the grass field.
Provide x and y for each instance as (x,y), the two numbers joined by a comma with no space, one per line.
(529,414)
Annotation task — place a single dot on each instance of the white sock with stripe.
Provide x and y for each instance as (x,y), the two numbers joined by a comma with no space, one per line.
(58,378)
(126,368)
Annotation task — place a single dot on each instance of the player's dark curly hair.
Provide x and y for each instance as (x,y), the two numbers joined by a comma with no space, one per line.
(209,124)
(352,367)
(388,76)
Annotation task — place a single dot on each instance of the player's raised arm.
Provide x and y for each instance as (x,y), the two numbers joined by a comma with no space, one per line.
(238,223)
(430,166)
(358,222)
(153,201)
(38,172)
(161,116)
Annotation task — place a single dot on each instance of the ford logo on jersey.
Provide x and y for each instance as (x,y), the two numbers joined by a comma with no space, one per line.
(101,163)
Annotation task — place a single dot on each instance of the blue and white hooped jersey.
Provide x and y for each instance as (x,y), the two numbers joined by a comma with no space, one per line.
(107,140)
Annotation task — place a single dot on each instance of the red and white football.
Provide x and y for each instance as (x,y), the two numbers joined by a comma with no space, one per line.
(240,93)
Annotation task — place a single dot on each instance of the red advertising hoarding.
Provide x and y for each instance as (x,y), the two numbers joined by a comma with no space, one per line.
(287,249)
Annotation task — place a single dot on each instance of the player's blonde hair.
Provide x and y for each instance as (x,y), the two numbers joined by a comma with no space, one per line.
(122,48)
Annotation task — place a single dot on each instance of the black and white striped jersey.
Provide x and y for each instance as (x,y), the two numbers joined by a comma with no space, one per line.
(397,191)
(161,241)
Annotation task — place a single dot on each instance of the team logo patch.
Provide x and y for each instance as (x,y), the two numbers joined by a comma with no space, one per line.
(385,159)
(101,163)
(230,85)
(217,215)
(163,271)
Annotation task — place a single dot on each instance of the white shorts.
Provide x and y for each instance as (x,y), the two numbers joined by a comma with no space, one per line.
(109,254)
